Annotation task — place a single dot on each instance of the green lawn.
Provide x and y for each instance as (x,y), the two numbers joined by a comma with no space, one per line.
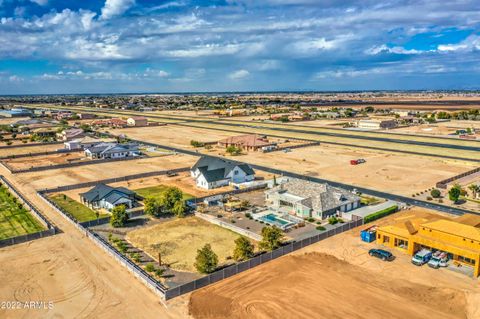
(15,220)
(157,191)
(81,212)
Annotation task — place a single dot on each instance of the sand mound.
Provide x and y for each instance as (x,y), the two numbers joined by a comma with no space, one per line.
(318,285)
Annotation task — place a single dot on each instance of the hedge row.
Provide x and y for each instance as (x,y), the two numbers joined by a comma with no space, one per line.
(380,214)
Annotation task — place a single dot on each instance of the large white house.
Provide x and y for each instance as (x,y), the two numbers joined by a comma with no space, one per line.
(210,172)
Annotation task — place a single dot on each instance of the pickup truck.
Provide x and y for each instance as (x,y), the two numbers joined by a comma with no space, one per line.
(439,259)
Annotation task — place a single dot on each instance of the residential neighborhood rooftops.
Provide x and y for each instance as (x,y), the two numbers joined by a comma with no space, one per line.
(215,168)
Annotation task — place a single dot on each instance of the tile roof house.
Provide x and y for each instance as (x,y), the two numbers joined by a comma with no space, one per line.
(70,134)
(210,172)
(250,142)
(112,150)
(107,197)
(308,199)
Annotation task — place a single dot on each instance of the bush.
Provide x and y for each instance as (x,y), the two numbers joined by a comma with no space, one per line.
(320,228)
(429,198)
(332,220)
(150,267)
(248,215)
(310,219)
(435,193)
(219,216)
(159,272)
(380,214)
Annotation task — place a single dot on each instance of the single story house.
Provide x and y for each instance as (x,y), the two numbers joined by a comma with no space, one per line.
(112,150)
(210,172)
(249,142)
(70,134)
(137,121)
(86,142)
(307,199)
(107,197)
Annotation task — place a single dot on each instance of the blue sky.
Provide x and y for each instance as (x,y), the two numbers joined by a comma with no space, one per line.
(109,46)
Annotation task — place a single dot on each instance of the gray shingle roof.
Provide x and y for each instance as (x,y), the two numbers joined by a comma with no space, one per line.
(215,169)
(319,197)
(102,191)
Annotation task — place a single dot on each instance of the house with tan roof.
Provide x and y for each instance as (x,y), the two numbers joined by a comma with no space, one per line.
(249,142)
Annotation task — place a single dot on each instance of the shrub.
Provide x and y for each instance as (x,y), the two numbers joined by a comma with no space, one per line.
(150,267)
(435,193)
(233,221)
(320,228)
(380,214)
(219,216)
(248,215)
(110,237)
(159,272)
(206,260)
(332,220)
(319,222)
(429,198)
(310,219)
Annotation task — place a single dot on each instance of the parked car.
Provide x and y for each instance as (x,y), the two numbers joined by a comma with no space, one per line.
(439,259)
(421,257)
(361,161)
(382,254)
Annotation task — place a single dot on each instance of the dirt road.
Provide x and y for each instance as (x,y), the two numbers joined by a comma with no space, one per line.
(78,277)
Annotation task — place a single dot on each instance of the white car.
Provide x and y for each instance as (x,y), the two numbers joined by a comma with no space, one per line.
(439,259)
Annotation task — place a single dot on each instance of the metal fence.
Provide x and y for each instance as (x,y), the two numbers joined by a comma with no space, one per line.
(138,272)
(68,165)
(50,228)
(258,260)
(61,151)
(443,184)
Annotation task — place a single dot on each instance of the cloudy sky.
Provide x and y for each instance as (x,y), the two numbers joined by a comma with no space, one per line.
(103,46)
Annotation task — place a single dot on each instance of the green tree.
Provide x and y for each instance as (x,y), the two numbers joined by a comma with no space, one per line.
(119,216)
(206,260)
(151,206)
(271,238)
(233,150)
(475,189)
(169,198)
(179,208)
(435,193)
(454,193)
(243,249)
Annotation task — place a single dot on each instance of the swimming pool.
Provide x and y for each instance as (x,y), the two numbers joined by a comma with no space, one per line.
(275,220)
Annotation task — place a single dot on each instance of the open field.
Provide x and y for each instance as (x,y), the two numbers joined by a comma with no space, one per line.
(336,278)
(46,160)
(80,174)
(178,241)
(31,149)
(157,192)
(15,220)
(395,173)
(173,135)
(81,212)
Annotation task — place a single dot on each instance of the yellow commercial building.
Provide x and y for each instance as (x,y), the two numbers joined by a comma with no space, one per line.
(459,237)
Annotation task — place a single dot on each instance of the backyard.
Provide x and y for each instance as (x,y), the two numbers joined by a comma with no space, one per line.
(80,212)
(178,241)
(15,220)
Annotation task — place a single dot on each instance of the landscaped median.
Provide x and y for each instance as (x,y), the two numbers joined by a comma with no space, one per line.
(380,214)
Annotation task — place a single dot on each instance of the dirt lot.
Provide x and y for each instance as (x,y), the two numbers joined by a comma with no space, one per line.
(178,241)
(46,160)
(336,278)
(80,174)
(31,149)
(177,136)
(400,174)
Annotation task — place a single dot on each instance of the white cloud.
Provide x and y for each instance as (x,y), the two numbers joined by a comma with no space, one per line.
(113,8)
(40,2)
(472,43)
(395,50)
(239,75)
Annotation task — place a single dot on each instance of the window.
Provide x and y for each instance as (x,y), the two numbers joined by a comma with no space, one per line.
(235,172)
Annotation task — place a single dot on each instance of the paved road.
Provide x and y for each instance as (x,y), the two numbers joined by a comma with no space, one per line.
(389,196)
